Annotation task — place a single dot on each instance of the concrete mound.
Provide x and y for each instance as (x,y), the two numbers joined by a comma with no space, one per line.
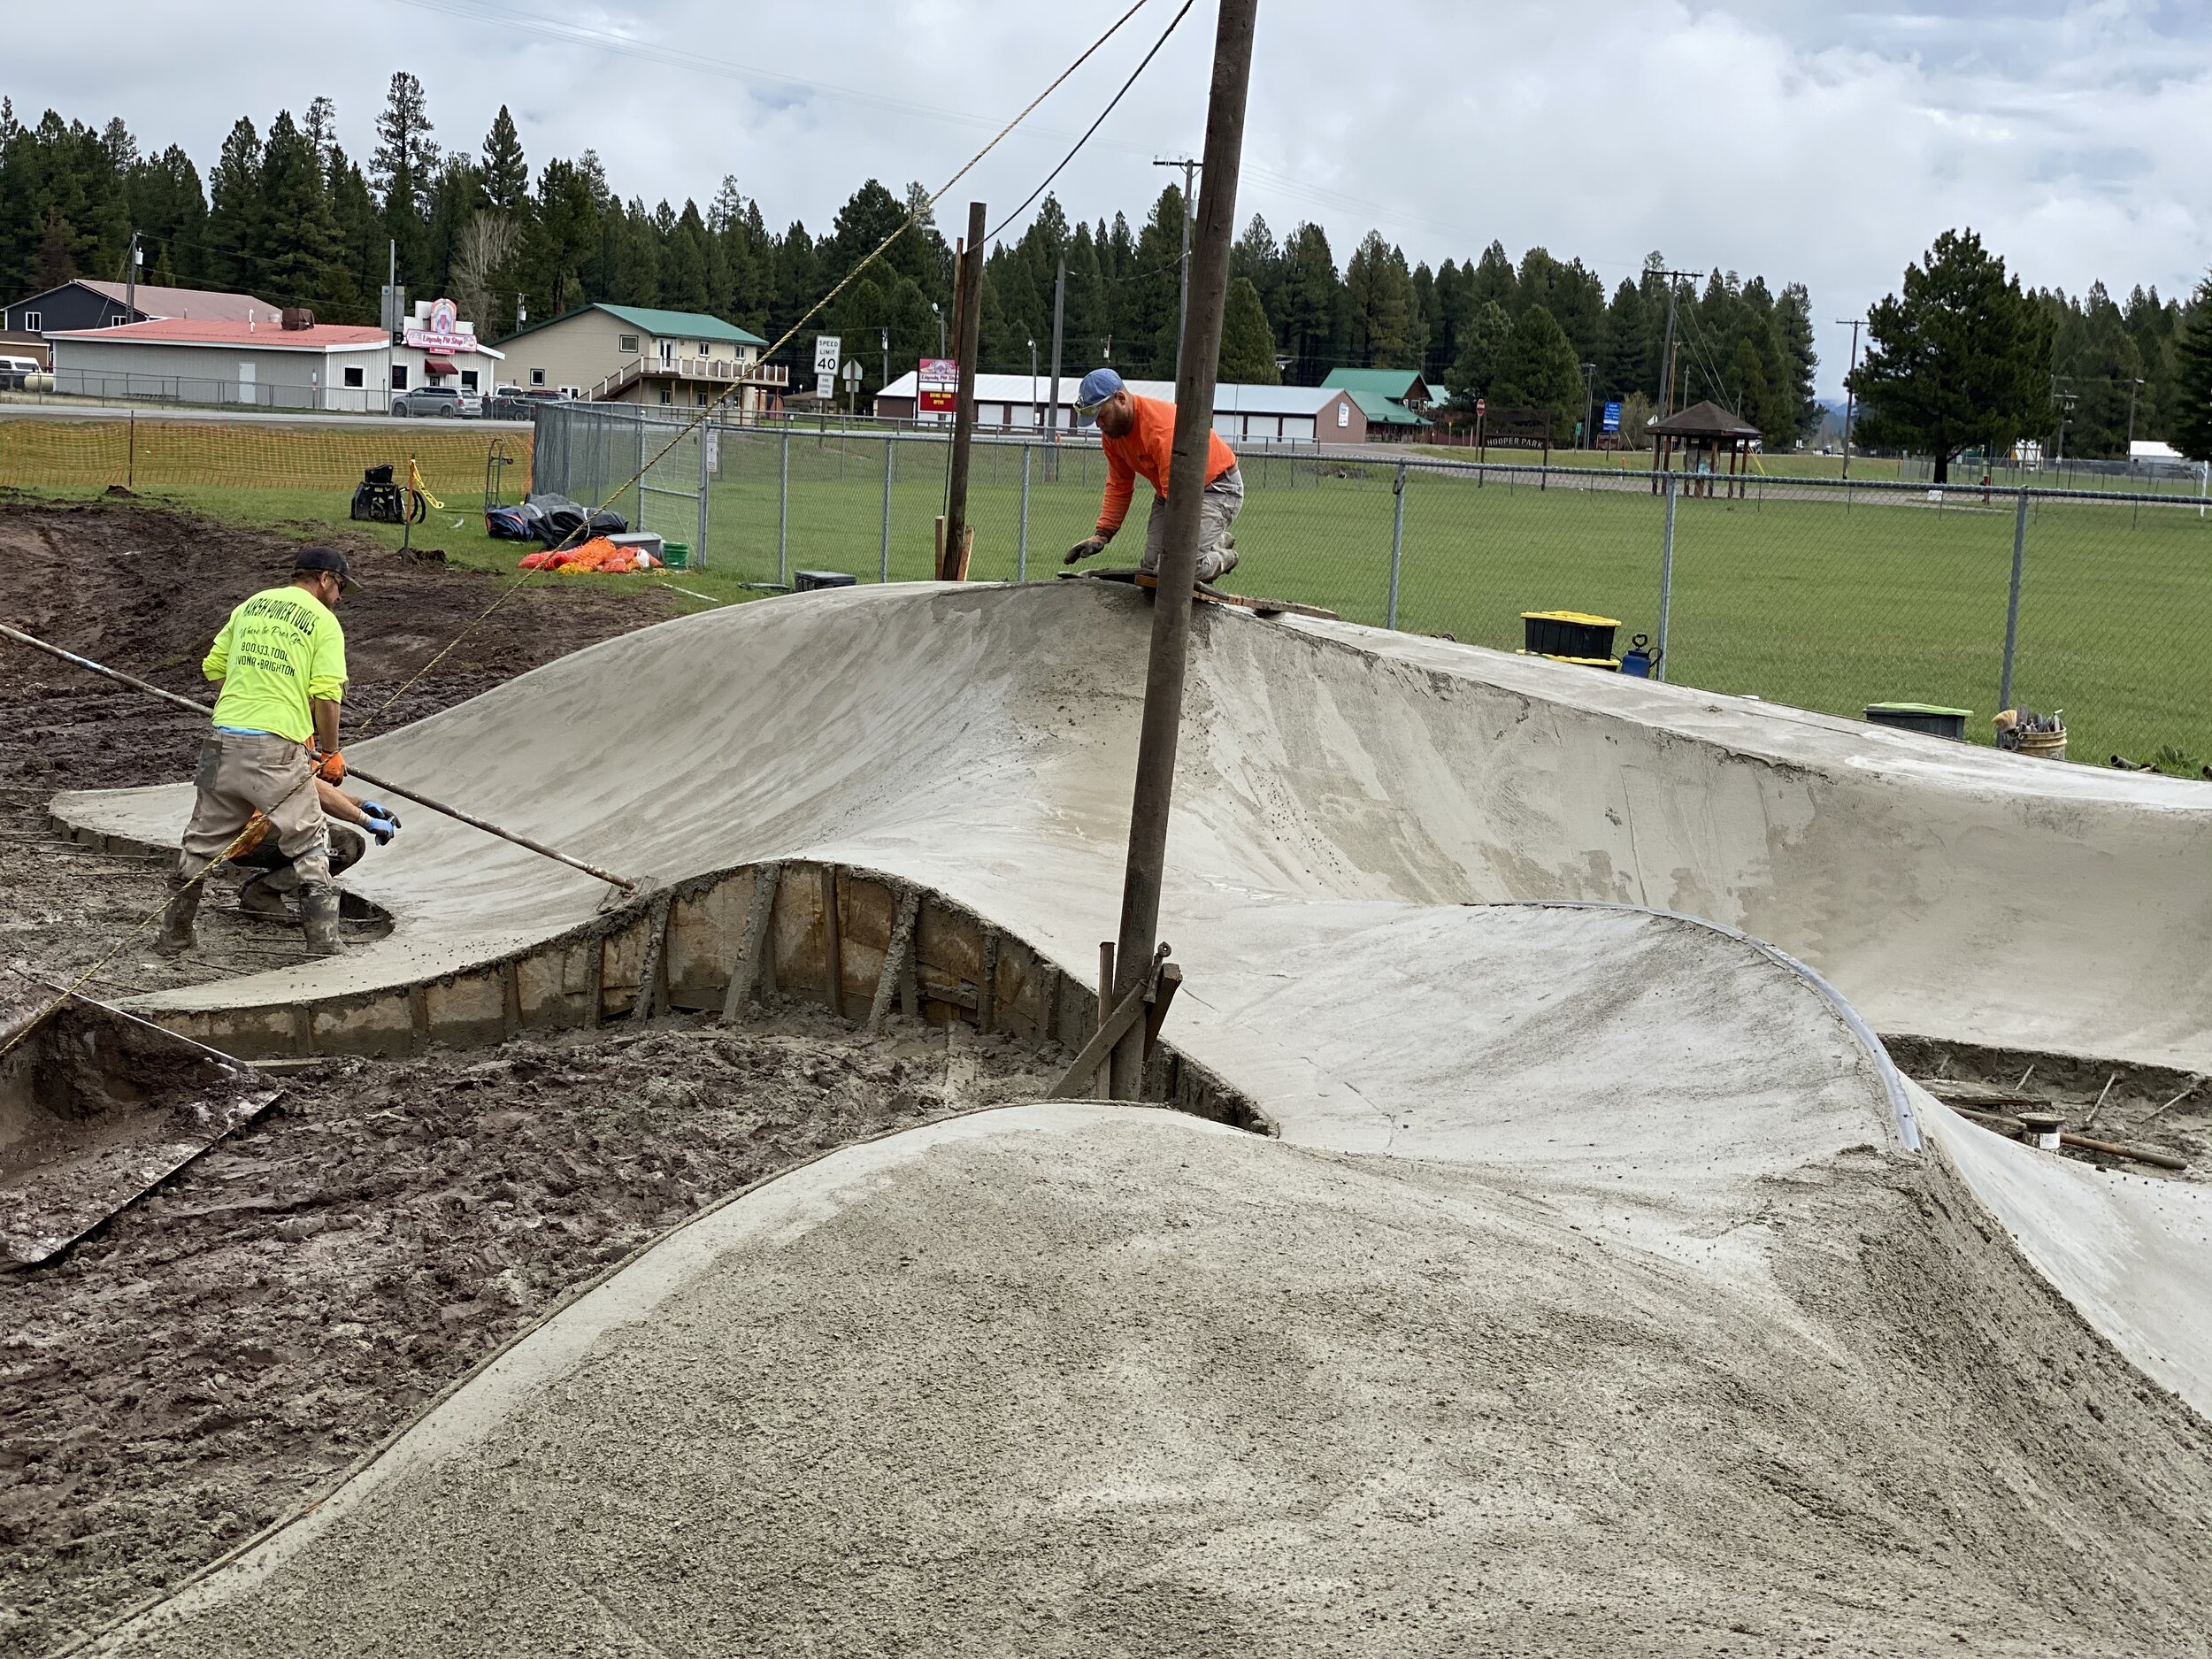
(1079,1379)
(1600,1292)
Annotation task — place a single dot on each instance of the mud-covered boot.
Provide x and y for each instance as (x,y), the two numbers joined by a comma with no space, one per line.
(1216,562)
(318,919)
(262,893)
(175,937)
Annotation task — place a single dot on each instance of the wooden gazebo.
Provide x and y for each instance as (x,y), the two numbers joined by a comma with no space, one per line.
(1703,433)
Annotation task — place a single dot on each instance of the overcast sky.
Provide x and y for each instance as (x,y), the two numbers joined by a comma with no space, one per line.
(1808,141)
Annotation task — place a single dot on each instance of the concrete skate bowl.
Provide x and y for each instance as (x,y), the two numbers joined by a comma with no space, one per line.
(1596,1290)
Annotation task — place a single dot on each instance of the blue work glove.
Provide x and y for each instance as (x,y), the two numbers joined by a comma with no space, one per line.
(380,821)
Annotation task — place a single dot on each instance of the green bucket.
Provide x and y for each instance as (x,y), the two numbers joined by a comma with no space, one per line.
(676,556)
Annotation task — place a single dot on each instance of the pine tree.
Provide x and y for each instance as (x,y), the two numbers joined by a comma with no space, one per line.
(1537,371)
(684,275)
(319,126)
(235,214)
(1482,341)
(1960,359)
(301,264)
(1494,281)
(1793,323)
(404,167)
(1626,342)
(1248,346)
(1378,307)
(1150,331)
(506,175)
(1308,323)
(2189,419)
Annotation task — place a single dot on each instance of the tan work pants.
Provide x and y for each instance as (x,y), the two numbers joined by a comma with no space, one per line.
(242,773)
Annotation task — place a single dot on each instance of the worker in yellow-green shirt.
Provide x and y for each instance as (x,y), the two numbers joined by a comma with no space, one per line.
(280,663)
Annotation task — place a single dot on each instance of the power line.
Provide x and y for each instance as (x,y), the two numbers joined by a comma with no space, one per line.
(1095,125)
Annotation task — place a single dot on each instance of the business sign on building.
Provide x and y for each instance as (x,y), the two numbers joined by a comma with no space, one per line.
(938,385)
(441,336)
(1612,417)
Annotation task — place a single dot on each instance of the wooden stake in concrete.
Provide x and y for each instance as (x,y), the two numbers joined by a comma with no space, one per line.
(833,941)
(1105,1007)
(1199,356)
(745,978)
(968,317)
(650,979)
(896,957)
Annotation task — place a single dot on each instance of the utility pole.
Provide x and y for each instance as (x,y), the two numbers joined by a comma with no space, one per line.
(130,302)
(1059,311)
(391,312)
(1666,356)
(1182,314)
(1198,362)
(1850,396)
(1589,401)
(2134,387)
(968,313)
(887,362)
(1032,381)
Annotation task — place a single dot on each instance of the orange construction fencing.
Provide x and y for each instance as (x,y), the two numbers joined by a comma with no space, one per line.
(43,452)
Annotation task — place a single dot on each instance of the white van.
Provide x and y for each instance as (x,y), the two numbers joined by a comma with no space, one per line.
(15,370)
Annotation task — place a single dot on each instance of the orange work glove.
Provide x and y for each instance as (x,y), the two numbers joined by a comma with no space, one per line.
(331,768)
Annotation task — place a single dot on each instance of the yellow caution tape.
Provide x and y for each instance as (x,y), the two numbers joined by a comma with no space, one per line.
(414,477)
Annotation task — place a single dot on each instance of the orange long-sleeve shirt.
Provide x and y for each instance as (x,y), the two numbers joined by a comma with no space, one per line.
(1149,449)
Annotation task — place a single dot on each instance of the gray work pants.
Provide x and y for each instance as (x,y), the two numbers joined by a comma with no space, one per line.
(1217,511)
(241,773)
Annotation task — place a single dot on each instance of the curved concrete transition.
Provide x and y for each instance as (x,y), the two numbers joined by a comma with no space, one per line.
(1598,1294)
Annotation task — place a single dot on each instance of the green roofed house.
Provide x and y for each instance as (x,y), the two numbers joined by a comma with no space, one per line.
(1396,401)
(637,354)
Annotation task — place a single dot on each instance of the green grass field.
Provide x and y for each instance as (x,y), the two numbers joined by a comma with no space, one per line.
(1813,603)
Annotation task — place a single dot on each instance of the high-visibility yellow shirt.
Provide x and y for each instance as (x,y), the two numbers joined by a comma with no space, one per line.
(279,650)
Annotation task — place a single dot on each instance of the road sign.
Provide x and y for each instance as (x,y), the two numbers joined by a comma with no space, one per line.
(1612,417)
(826,384)
(1481,406)
(827,350)
(852,374)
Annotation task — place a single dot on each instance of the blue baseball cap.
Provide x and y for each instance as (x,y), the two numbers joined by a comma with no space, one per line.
(1098,386)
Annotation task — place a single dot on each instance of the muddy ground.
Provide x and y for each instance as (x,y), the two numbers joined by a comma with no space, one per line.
(144,589)
(222,1347)
(241,1335)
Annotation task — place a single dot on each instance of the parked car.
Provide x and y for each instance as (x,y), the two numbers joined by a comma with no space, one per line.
(15,370)
(448,401)
(516,403)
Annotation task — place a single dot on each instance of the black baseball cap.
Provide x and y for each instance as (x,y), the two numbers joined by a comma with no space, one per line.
(325,559)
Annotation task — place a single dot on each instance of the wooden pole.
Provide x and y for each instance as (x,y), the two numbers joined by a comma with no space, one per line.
(967,313)
(1199,355)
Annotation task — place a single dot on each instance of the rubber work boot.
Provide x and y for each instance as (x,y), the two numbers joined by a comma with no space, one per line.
(262,893)
(318,919)
(175,937)
(1216,562)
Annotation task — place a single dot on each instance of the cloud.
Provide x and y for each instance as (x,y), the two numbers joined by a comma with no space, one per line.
(1785,137)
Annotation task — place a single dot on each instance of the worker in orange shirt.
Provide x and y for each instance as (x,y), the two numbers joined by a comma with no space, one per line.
(1138,436)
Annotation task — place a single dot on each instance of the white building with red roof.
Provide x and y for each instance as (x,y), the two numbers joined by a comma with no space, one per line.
(273,360)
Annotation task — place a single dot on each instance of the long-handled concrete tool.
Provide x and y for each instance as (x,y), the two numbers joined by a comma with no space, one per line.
(626,883)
